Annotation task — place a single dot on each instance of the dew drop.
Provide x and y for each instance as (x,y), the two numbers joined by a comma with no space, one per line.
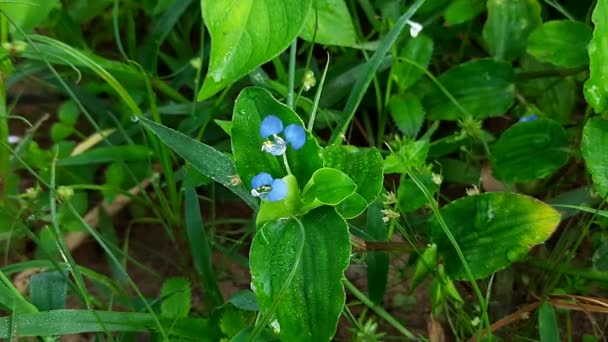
(134,118)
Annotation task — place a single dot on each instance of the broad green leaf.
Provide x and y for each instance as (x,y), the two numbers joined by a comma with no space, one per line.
(246,34)
(252,106)
(563,43)
(352,206)
(377,262)
(63,322)
(246,335)
(327,186)
(107,154)
(281,209)
(493,230)
(410,197)
(547,323)
(333,24)
(461,11)
(297,266)
(417,50)
(508,26)
(483,87)
(407,113)
(529,150)
(596,87)
(203,158)
(48,290)
(28,14)
(595,153)
(362,165)
(176,298)
(554,96)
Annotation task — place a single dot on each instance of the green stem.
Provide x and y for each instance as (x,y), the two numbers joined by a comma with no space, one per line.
(585,273)
(5,171)
(315,105)
(378,310)
(530,75)
(292,73)
(286,163)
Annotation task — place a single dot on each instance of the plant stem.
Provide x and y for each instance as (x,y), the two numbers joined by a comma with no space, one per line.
(292,73)
(5,171)
(530,75)
(378,310)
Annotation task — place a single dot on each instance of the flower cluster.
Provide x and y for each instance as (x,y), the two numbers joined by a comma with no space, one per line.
(277,138)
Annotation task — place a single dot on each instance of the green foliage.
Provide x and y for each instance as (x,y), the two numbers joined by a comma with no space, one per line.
(493,230)
(297,267)
(247,34)
(596,87)
(480,88)
(423,125)
(595,138)
(530,150)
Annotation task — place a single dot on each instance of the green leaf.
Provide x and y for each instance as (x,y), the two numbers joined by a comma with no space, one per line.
(286,207)
(529,150)
(297,269)
(407,113)
(593,149)
(418,50)
(108,154)
(177,297)
(493,230)
(377,262)
(596,87)
(461,11)
(352,206)
(28,15)
(508,26)
(48,290)
(410,197)
(60,131)
(547,323)
(252,106)
(204,158)
(362,165)
(413,154)
(63,322)
(483,87)
(426,263)
(68,113)
(327,186)
(563,43)
(247,34)
(245,300)
(333,24)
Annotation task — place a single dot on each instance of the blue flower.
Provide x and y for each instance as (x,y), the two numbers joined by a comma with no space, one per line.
(528,118)
(265,187)
(293,134)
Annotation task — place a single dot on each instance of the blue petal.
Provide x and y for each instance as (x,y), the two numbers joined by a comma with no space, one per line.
(261,179)
(528,118)
(278,192)
(295,135)
(270,125)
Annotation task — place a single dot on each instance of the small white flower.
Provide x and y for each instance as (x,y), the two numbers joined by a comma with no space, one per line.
(415,28)
(437,178)
(389,215)
(309,80)
(390,198)
(276,327)
(13,139)
(473,191)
